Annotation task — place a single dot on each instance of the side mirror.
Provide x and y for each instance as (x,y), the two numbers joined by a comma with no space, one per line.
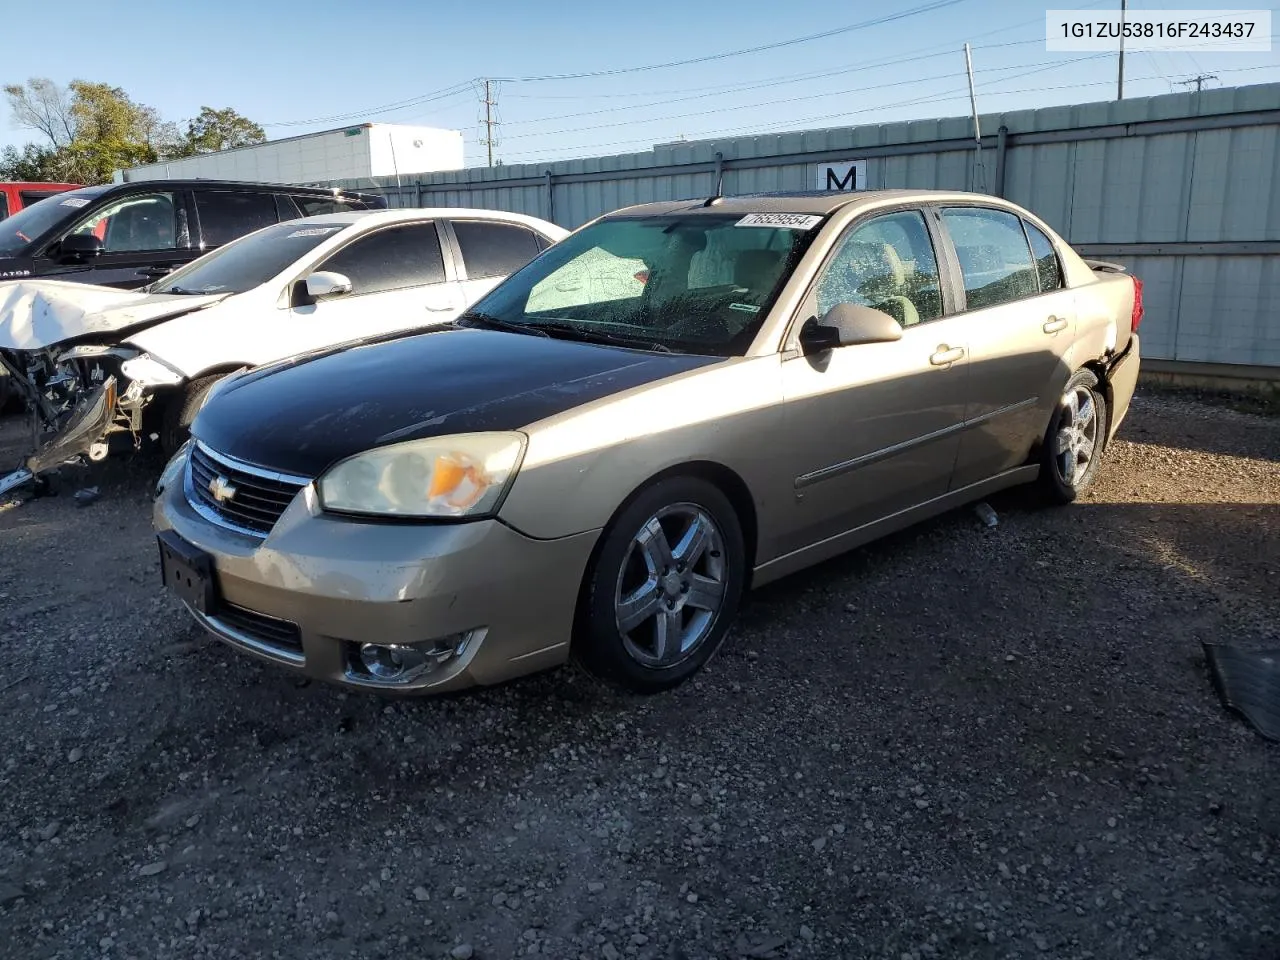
(324,284)
(847,324)
(79,247)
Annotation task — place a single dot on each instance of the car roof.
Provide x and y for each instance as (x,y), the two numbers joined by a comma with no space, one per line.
(373,218)
(193,182)
(819,202)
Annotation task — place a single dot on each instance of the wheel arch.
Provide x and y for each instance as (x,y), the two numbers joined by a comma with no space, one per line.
(723,478)
(1099,369)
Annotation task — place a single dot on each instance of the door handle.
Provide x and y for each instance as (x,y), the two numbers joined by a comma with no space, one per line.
(1054,324)
(946,355)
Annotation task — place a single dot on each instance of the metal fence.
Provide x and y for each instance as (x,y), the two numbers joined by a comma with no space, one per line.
(1181,188)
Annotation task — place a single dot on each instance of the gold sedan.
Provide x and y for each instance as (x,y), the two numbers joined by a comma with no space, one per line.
(677,402)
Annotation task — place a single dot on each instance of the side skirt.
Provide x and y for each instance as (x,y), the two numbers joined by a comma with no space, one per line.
(850,539)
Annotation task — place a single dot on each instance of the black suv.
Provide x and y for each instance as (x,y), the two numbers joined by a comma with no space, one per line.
(128,234)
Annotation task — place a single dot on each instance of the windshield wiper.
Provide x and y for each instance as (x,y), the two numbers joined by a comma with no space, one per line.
(572,332)
(494,323)
(180,291)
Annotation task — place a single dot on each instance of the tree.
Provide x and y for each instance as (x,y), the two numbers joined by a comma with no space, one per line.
(223,129)
(45,107)
(32,163)
(94,129)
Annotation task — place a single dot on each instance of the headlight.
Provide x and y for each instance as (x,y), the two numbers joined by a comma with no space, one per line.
(150,372)
(464,475)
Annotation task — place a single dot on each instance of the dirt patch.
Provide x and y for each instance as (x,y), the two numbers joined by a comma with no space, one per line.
(959,742)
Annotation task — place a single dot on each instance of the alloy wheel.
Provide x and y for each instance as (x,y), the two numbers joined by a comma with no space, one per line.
(1076,439)
(671,586)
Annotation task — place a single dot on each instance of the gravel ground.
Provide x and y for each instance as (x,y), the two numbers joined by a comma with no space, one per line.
(959,742)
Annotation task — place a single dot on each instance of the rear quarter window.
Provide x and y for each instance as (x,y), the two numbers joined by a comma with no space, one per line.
(494,249)
(228,214)
(323,206)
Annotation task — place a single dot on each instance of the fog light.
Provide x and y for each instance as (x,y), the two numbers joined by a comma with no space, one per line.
(392,662)
(395,663)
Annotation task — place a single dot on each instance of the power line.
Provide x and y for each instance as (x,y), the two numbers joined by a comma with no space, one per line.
(955,95)
(930,7)
(762,84)
(795,123)
(630,121)
(1198,80)
(931,52)
(453,90)
(442,94)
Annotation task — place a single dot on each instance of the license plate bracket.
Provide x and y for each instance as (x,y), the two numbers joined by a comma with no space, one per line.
(187,571)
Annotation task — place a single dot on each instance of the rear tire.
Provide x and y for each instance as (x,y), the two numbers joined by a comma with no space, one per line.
(663,587)
(1075,440)
(180,412)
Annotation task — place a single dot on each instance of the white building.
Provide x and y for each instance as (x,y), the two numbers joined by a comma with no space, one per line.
(358,152)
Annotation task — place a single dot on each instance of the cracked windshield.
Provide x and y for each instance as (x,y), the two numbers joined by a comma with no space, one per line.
(697,284)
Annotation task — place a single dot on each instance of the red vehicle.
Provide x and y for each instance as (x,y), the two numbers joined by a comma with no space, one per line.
(15,196)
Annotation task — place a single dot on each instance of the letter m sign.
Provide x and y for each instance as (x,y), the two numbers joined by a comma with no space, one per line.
(842,175)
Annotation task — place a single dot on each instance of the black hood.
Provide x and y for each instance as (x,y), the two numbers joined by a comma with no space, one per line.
(304,415)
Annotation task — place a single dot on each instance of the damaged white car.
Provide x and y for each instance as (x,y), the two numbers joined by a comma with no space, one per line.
(101,368)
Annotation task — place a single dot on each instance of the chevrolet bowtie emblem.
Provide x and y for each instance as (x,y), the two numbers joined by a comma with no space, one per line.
(221,489)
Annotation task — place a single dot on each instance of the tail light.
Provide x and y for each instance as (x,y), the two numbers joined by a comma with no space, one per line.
(1136,319)
(642,276)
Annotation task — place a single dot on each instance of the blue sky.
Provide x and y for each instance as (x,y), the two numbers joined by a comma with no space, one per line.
(297,67)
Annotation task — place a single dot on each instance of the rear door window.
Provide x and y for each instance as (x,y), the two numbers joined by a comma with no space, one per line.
(391,259)
(494,249)
(995,259)
(228,214)
(4,205)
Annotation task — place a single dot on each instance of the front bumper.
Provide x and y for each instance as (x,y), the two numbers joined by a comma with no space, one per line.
(318,586)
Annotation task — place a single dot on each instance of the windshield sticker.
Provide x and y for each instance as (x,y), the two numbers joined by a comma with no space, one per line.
(75,202)
(787,221)
(312,232)
(744,307)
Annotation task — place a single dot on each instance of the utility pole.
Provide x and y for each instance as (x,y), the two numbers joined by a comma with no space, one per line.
(1198,80)
(1120,78)
(490,121)
(977,128)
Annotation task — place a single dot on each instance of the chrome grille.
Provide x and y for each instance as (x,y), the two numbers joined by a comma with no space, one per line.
(253,500)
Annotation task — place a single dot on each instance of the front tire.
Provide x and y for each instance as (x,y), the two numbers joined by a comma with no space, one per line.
(1075,441)
(180,412)
(664,586)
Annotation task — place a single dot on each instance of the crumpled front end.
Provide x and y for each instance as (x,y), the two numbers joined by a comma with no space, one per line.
(78,400)
(63,347)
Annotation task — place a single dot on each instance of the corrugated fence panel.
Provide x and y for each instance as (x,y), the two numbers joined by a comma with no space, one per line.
(1229,310)
(1170,170)
(1128,190)
(1039,178)
(1235,191)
